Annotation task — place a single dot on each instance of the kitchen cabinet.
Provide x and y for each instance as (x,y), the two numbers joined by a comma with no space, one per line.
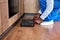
(21,7)
(5,21)
(31,6)
(4,15)
(19,14)
(0,16)
(2,1)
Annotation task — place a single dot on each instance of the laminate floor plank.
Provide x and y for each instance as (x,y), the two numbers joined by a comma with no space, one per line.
(34,33)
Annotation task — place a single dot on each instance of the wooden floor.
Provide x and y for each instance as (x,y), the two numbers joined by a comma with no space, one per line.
(34,33)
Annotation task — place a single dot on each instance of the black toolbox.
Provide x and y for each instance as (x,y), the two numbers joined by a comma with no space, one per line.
(27,23)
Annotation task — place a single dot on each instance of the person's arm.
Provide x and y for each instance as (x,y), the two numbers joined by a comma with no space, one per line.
(49,8)
(40,11)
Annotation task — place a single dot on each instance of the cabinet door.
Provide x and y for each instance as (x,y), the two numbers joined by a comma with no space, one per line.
(0,21)
(0,16)
(4,15)
(31,6)
(3,1)
(21,7)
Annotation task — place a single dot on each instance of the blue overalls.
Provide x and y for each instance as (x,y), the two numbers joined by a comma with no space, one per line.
(54,15)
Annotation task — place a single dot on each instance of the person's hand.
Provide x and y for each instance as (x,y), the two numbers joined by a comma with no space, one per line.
(37,18)
(38,21)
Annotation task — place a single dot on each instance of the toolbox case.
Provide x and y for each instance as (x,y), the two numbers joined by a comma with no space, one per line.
(27,23)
